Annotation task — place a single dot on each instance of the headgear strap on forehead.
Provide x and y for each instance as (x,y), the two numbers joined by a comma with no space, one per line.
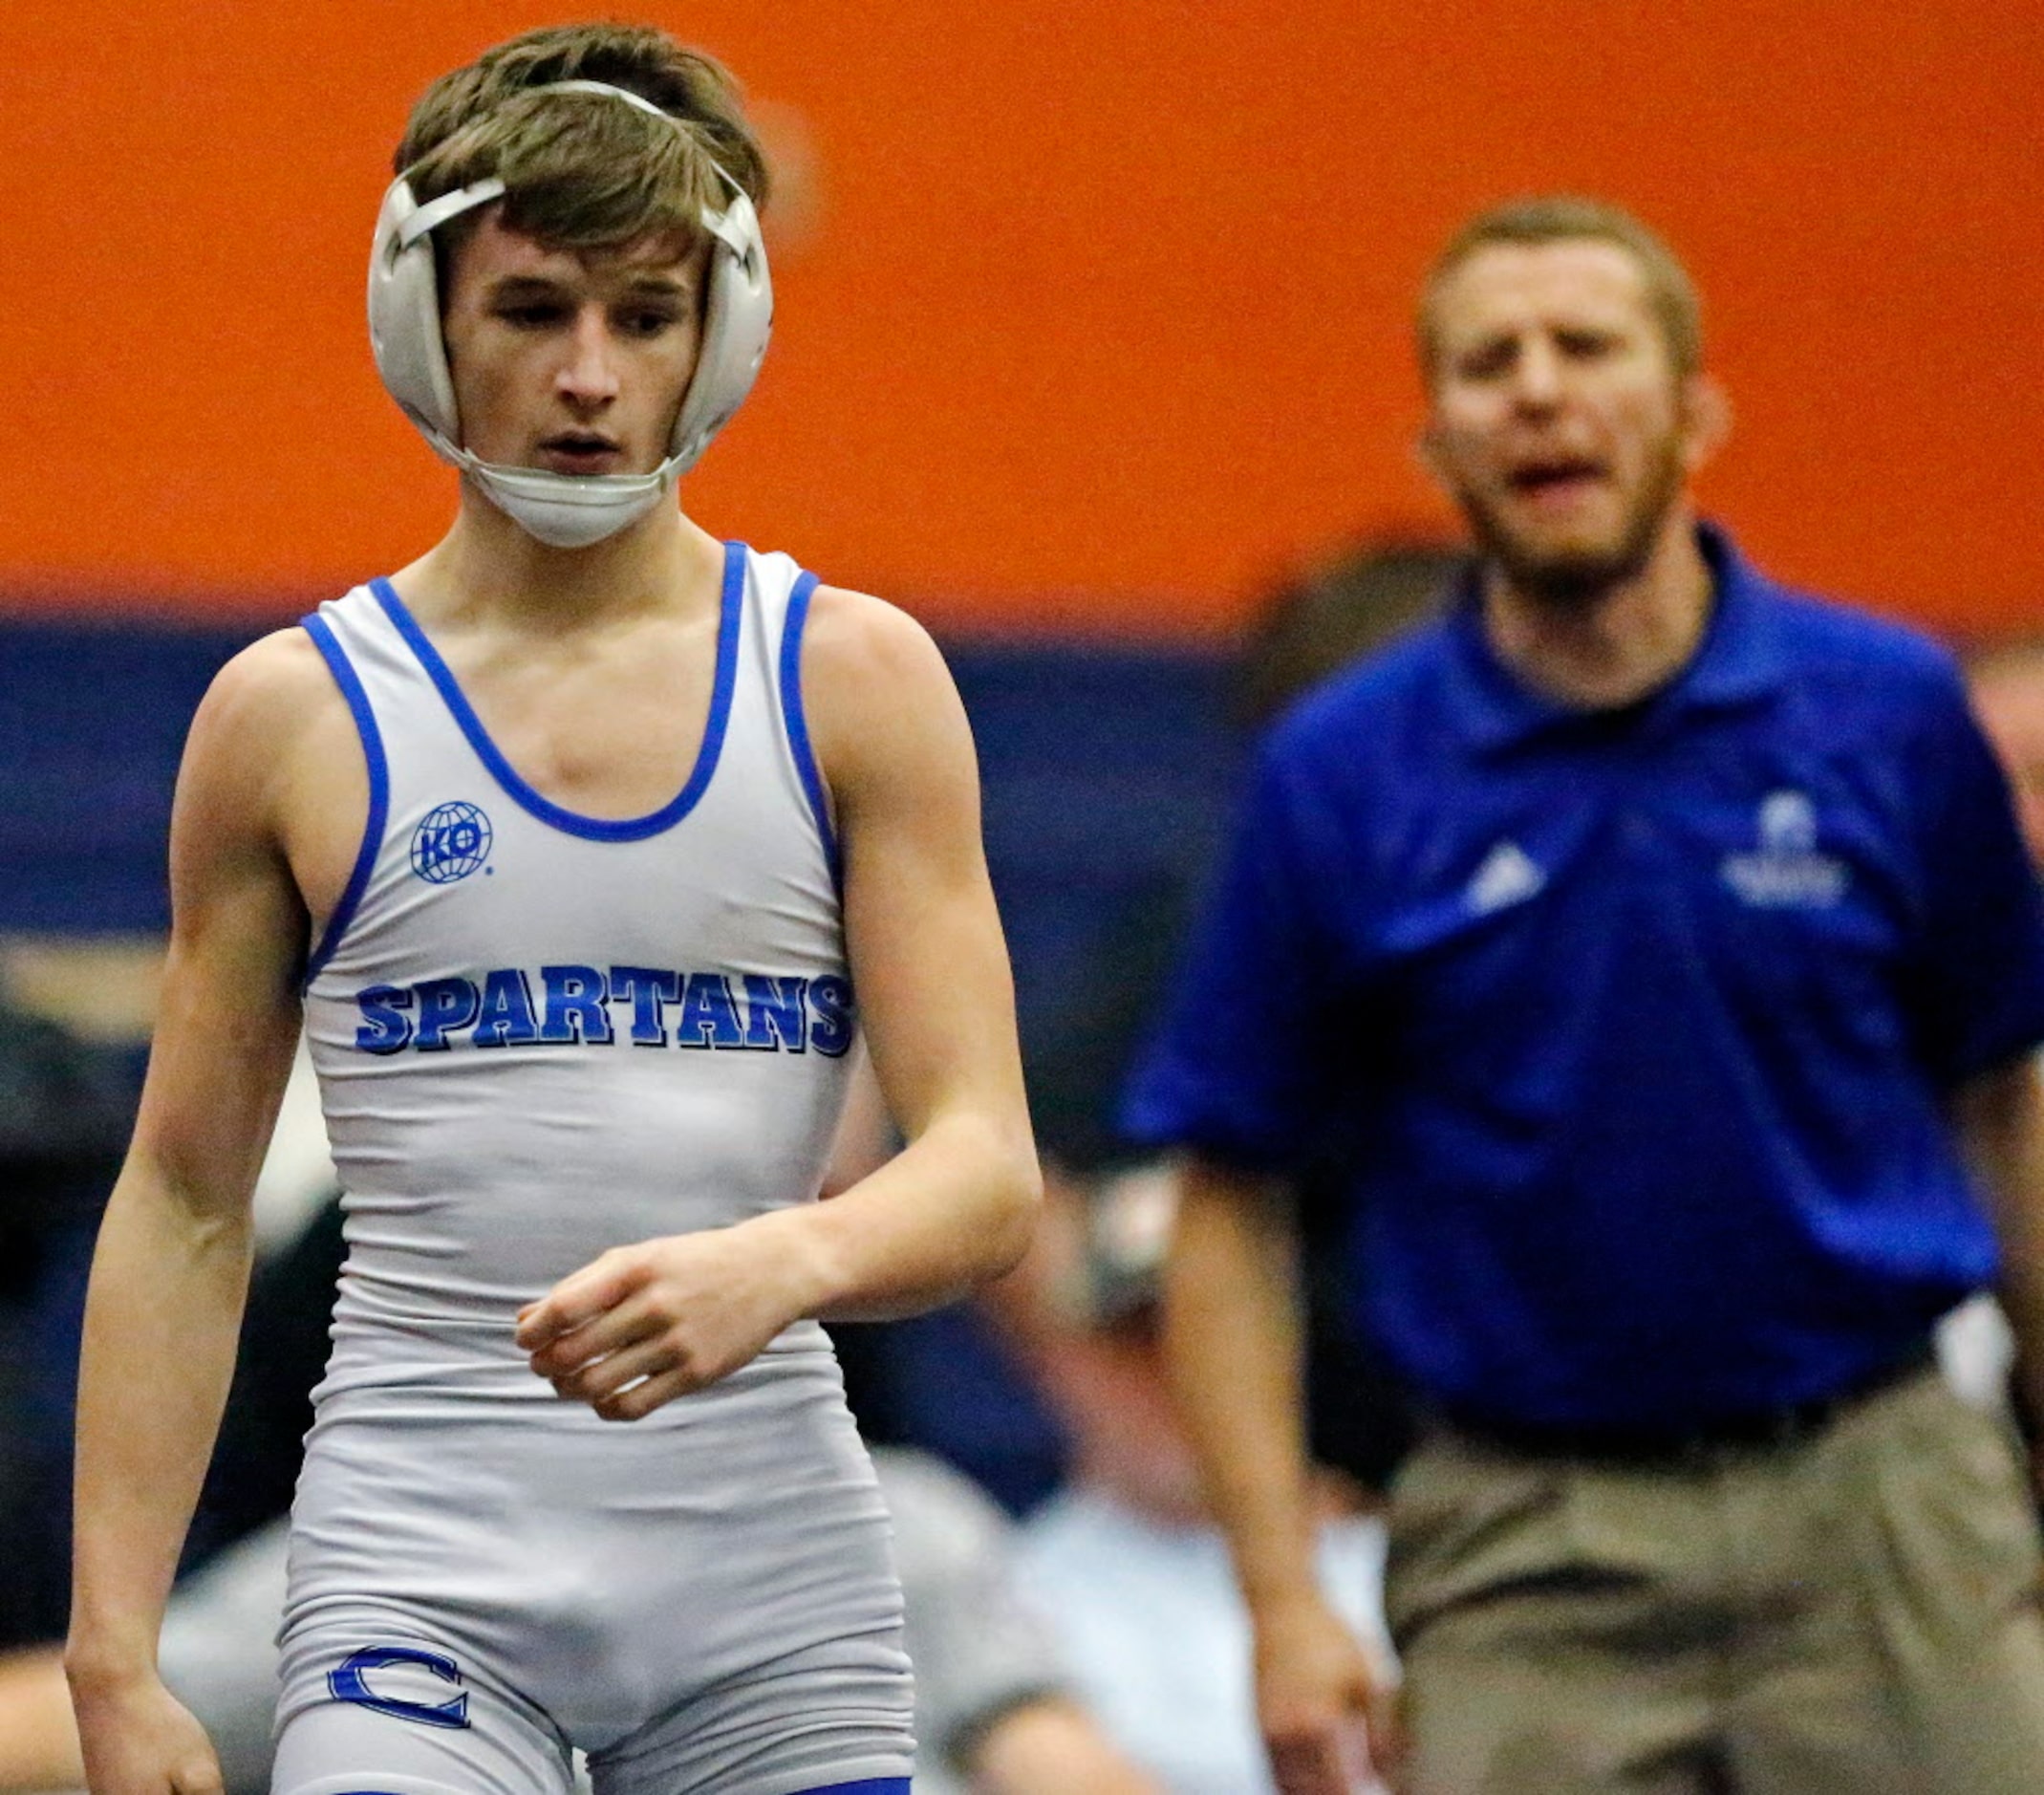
(567,510)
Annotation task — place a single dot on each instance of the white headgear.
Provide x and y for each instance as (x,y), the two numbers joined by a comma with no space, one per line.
(567,510)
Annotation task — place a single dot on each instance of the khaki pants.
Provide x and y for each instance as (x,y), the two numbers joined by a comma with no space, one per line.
(1856,1613)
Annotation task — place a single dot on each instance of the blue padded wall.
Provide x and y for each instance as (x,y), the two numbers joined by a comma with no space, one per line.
(91,720)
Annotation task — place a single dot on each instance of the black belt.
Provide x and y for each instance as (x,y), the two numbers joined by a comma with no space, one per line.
(1651,1443)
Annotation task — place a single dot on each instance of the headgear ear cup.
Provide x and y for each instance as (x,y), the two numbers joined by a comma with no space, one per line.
(404,332)
(411,360)
(738,320)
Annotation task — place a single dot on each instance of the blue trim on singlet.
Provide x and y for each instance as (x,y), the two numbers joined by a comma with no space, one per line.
(555,815)
(791,711)
(365,724)
(871,1786)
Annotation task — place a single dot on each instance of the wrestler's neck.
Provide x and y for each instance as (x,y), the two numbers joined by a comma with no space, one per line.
(488,567)
(1611,645)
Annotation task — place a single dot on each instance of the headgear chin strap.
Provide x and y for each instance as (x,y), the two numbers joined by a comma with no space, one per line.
(564,511)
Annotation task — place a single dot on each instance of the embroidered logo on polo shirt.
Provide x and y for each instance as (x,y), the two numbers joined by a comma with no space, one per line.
(1507,875)
(1786,872)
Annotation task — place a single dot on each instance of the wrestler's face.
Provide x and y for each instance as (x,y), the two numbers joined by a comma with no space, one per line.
(571,362)
(1557,421)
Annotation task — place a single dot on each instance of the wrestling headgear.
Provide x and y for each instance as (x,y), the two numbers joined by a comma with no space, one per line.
(566,511)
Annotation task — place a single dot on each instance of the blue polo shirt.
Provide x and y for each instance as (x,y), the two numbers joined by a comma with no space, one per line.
(1640,1021)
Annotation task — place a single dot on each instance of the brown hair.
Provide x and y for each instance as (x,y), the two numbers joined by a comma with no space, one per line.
(587,171)
(1570,218)
(1309,627)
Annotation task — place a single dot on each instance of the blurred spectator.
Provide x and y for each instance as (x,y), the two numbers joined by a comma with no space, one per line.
(1307,629)
(997,1706)
(218,1653)
(2007,688)
(1125,1560)
(1348,606)
(66,1106)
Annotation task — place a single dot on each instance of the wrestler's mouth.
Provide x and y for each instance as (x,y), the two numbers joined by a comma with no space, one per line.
(580,452)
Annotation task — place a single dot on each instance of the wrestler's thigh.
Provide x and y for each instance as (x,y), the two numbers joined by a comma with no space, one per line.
(366,1712)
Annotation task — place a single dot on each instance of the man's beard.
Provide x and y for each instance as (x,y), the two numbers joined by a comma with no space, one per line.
(1578,579)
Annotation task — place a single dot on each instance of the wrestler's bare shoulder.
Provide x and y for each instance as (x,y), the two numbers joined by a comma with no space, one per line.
(862,646)
(275,696)
(274,731)
(883,711)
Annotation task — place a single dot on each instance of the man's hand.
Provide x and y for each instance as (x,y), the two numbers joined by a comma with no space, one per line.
(139,1741)
(1326,1709)
(642,1325)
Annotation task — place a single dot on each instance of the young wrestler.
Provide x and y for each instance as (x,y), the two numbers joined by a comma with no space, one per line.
(585,847)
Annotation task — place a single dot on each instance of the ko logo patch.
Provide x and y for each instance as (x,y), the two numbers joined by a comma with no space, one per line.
(451,843)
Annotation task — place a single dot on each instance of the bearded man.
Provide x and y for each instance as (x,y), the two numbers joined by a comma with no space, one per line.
(1666,941)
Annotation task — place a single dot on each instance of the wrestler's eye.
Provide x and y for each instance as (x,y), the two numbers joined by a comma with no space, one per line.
(531,313)
(648,321)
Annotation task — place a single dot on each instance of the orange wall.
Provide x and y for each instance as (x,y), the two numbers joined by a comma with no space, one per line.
(1102,317)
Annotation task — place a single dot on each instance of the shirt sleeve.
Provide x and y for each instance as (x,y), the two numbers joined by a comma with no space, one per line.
(1978,996)
(1236,1068)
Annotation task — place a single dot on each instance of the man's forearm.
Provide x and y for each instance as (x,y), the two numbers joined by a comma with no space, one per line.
(1232,1345)
(161,1319)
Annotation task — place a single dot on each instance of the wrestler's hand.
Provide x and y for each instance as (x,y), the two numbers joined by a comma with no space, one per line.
(137,1740)
(642,1325)
(1324,1704)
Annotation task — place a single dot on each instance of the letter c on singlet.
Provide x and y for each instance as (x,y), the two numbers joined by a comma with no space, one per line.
(350,1683)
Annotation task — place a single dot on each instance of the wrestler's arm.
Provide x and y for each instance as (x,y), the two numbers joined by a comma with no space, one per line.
(171,1266)
(644,1324)
(955,1207)
(218,1655)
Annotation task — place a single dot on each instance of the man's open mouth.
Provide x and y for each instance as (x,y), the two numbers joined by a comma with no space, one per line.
(1560,477)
